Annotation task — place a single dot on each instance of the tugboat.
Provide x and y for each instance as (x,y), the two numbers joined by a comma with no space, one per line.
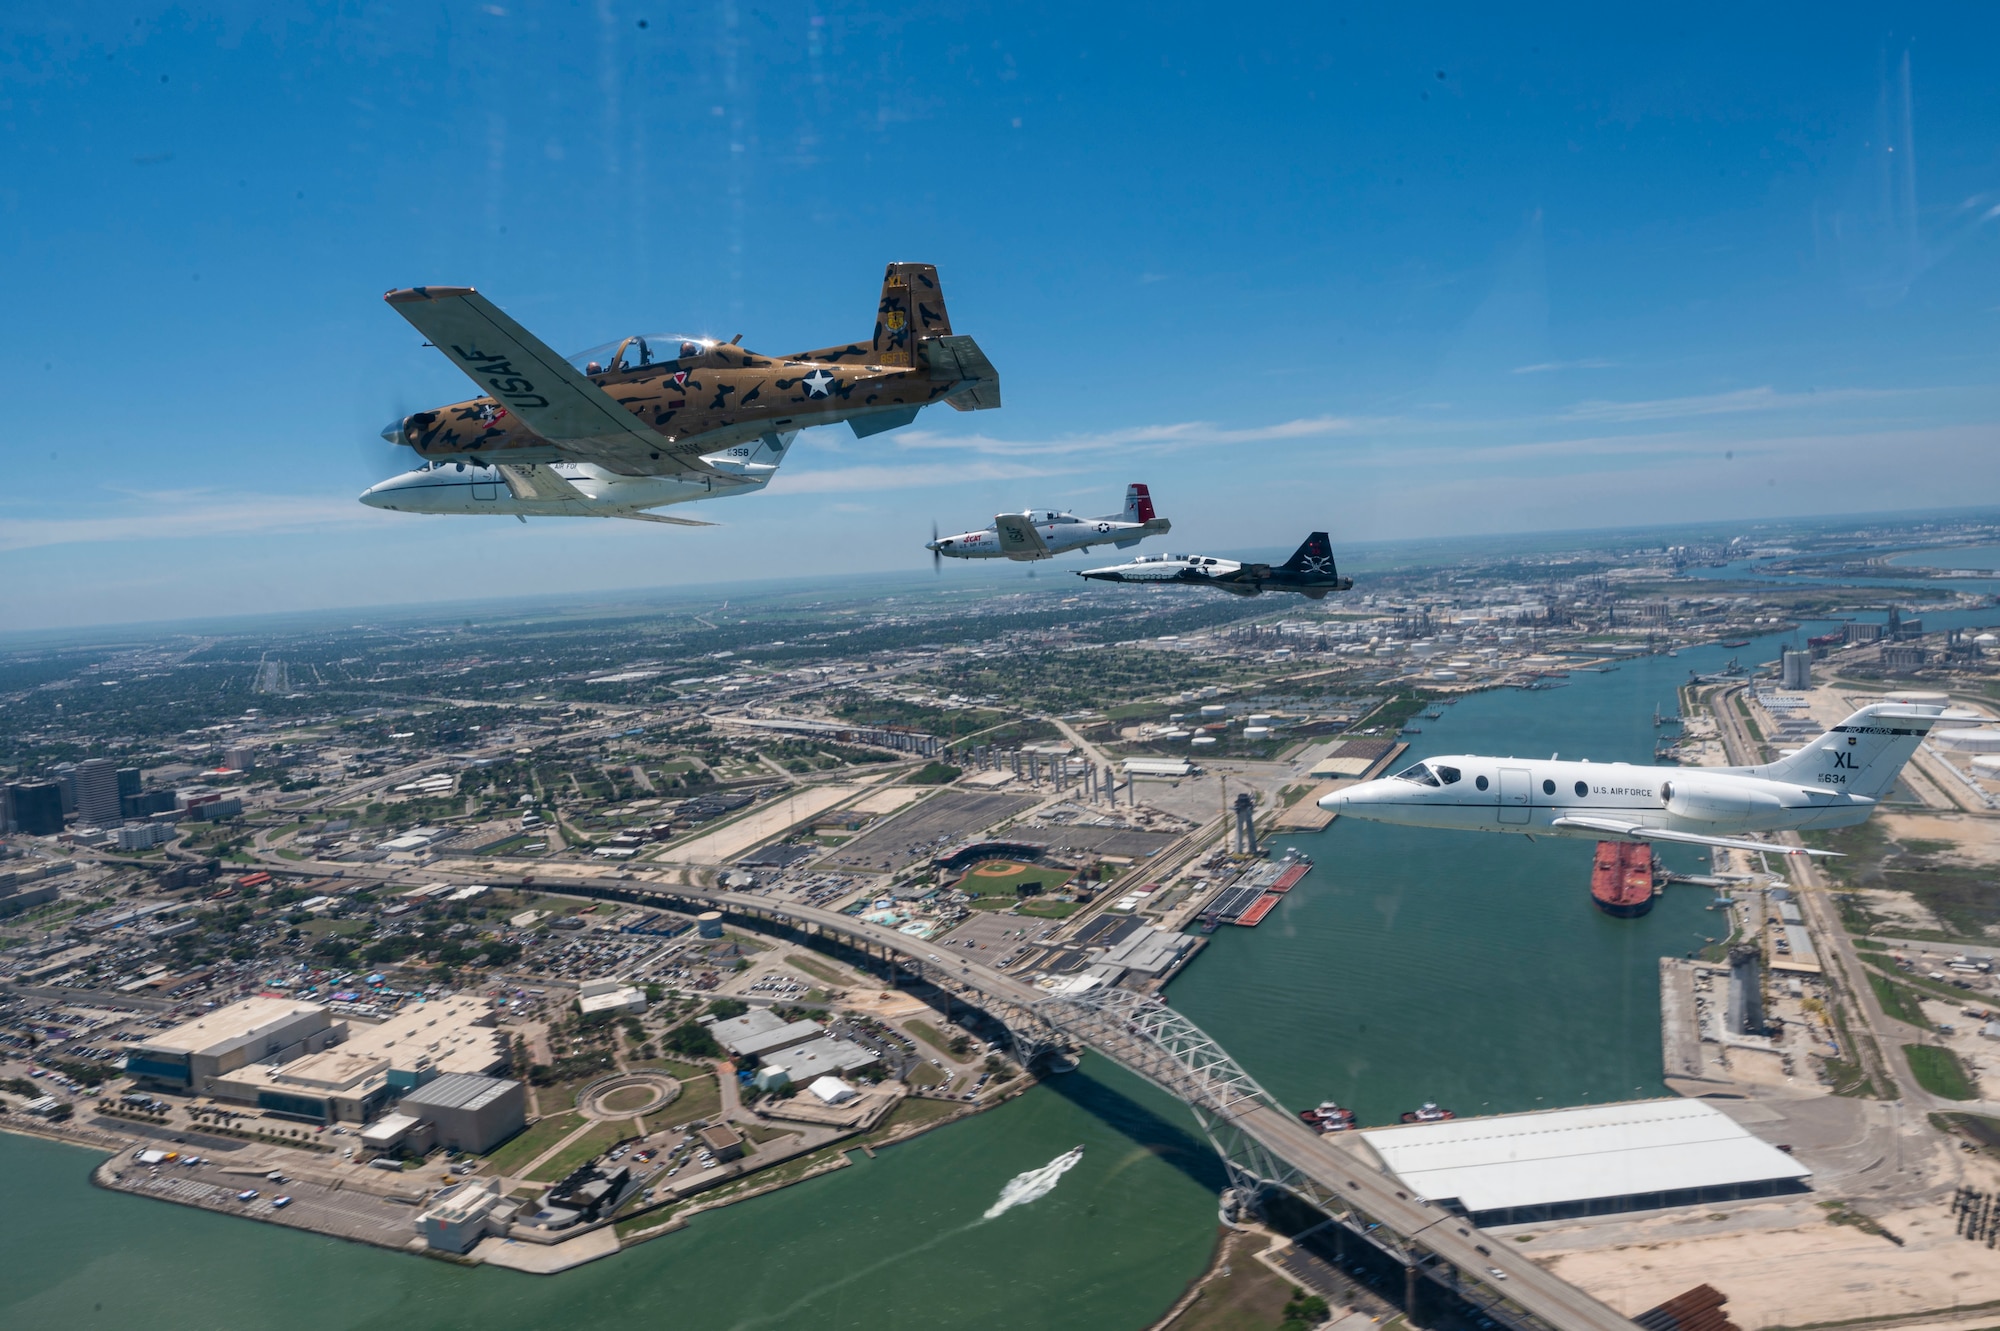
(1329,1117)
(1427,1112)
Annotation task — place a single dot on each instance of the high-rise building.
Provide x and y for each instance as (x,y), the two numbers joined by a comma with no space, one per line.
(146,803)
(1795,669)
(128,781)
(65,779)
(37,808)
(97,793)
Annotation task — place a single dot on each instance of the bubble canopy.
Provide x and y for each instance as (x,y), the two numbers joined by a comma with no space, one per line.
(639,350)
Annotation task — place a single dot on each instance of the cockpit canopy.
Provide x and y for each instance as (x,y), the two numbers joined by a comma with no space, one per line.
(1430,774)
(640,350)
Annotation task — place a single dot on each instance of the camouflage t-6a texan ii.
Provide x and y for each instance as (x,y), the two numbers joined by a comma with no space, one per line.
(1309,572)
(657,419)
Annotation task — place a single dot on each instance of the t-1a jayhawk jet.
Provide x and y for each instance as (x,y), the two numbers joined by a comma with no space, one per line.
(1309,572)
(657,419)
(1045,533)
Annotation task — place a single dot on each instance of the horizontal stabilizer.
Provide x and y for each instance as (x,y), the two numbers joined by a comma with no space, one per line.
(959,357)
(1637,832)
(661,517)
(863,426)
(1018,537)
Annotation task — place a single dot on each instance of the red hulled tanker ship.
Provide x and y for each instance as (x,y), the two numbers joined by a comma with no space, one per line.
(1622,878)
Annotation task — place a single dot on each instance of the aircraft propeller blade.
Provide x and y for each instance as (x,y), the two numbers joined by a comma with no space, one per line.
(937,559)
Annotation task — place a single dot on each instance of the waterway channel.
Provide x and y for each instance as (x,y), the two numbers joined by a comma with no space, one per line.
(1409,965)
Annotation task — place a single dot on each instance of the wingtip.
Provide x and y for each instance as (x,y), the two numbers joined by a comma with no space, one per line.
(410,295)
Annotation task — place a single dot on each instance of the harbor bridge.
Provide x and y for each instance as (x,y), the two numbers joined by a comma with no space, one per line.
(1265,1149)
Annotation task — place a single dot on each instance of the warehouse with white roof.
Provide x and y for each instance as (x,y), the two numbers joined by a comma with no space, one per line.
(1596,1160)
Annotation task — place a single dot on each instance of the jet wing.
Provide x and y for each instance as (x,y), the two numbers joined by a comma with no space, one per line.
(545,392)
(1639,832)
(529,480)
(1018,537)
(661,517)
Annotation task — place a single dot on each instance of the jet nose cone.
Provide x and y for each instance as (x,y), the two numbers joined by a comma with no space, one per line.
(1333,801)
(373,497)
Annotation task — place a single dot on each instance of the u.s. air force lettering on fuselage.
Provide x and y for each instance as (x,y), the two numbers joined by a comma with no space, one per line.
(505,381)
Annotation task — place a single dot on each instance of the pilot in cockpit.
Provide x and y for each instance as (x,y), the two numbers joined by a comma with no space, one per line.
(593,368)
(689,350)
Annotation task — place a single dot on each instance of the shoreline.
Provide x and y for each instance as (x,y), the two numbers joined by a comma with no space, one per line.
(219,1198)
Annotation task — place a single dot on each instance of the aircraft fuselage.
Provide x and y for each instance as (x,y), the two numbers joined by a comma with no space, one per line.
(1478,794)
(468,488)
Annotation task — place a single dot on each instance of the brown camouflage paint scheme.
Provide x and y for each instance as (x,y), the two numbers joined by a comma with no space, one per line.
(730,394)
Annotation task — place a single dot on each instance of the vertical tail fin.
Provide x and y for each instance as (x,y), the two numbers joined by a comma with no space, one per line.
(1138,503)
(1860,756)
(912,309)
(1315,556)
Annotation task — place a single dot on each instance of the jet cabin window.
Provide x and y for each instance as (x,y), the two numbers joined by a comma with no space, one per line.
(1426,775)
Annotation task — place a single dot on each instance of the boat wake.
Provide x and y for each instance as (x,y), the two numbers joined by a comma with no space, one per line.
(1034,1184)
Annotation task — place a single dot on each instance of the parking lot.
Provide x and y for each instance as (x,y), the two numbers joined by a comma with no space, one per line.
(940,821)
(991,935)
(321,1207)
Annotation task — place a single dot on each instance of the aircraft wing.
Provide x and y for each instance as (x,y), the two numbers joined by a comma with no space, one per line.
(1018,537)
(661,517)
(1639,832)
(545,392)
(530,480)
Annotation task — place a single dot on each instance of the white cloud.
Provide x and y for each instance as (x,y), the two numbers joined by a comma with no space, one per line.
(850,480)
(168,515)
(1765,398)
(1142,438)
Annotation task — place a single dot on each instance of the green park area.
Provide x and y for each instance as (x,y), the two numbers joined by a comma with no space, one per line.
(531,1141)
(599,1139)
(1938,1071)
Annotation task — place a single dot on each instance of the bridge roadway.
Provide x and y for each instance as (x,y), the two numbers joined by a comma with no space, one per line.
(1328,1172)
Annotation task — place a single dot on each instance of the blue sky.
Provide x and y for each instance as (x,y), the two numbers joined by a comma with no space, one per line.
(1391,274)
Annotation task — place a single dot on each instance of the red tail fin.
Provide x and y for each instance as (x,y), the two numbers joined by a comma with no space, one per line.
(1138,503)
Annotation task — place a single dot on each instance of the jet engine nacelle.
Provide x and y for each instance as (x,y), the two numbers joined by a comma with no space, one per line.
(1709,800)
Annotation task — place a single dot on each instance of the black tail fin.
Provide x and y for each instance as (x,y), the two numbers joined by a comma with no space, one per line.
(1315,556)
(911,309)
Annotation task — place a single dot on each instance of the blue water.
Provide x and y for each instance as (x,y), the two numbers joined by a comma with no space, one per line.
(1464,967)
(1982,557)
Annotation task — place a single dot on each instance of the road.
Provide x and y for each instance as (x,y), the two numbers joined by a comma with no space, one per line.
(1880,1052)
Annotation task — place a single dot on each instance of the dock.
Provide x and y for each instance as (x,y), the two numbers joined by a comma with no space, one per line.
(1306,815)
(1256,893)
(1680,1028)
